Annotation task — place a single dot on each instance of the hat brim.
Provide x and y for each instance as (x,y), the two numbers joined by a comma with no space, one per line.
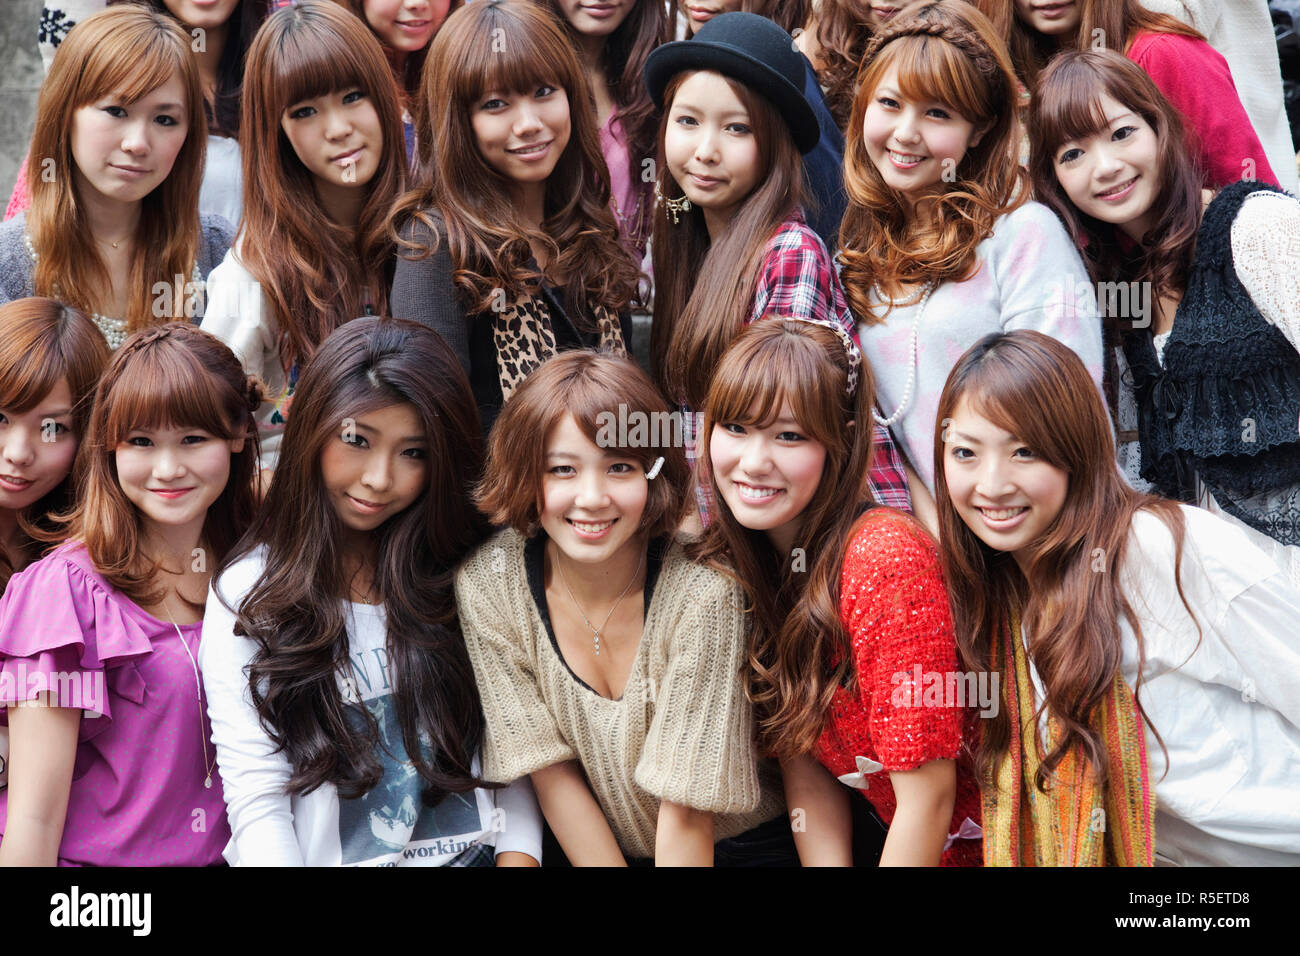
(668,60)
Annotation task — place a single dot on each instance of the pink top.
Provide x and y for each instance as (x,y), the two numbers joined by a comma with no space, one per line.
(137,795)
(1194,77)
(631,199)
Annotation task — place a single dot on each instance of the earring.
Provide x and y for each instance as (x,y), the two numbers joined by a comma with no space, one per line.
(675,207)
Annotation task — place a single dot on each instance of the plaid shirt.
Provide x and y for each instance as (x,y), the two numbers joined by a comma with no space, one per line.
(797,280)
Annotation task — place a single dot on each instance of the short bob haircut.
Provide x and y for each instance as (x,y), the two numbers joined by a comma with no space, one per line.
(601,391)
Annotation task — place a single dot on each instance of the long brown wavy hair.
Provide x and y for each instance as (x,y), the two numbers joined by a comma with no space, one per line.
(1066,106)
(704,290)
(171,376)
(1110,23)
(408,76)
(947,52)
(315,273)
(43,342)
(843,35)
(623,63)
(125,52)
(1038,390)
(512,46)
(799,650)
(295,612)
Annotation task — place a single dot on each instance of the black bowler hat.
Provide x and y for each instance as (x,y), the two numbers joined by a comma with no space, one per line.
(748,48)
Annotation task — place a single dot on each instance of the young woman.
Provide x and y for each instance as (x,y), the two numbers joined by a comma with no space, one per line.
(1190,73)
(1147,648)
(50,361)
(939,246)
(404,29)
(613,41)
(343,706)
(606,659)
(113,766)
(849,615)
(730,241)
(114,229)
(1206,381)
(220,32)
(824,163)
(509,248)
(324,164)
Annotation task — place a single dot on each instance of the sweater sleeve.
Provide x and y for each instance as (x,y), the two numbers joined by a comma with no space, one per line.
(1039,274)
(699,751)
(521,734)
(254,775)
(424,292)
(1265,253)
(895,606)
(1195,78)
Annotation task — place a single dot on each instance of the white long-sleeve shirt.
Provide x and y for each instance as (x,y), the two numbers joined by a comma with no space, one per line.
(389,826)
(1225,699)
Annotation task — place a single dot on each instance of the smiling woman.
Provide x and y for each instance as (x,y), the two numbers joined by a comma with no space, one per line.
(1121,626)
(373,760)
(169,458)
(509,249)
(323,163)
(596,641)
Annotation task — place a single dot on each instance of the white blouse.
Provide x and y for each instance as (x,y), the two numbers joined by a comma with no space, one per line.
(1224,698)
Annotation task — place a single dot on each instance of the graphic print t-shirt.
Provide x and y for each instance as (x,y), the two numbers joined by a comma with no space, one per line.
(389,825)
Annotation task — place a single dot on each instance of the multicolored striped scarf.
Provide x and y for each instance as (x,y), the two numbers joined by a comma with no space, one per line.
(1076,822)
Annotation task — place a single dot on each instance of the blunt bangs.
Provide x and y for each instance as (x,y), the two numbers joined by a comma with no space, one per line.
(169,388)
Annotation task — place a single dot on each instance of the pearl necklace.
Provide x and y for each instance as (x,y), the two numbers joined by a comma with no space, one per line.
(115,330)
(911,362)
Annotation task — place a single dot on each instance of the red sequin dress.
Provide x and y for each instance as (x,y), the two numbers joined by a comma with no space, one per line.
(908,705)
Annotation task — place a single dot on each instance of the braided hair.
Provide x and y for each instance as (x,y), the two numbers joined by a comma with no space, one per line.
(945,51)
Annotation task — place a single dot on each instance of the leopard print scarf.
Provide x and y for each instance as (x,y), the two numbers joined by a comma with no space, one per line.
(524,339)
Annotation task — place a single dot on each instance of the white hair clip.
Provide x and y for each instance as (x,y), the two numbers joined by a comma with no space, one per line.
(654,471)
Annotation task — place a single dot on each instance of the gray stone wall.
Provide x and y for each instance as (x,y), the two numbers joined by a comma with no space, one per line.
(20,79)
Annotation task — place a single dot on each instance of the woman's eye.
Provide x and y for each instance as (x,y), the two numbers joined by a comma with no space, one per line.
(4,420)
(352,438)
(166,120)
(731,428)
(115,111)
(561,471)
(887,102)
(416,454)
(1123,133)
(302,112)
(139,441)
(493,104)
(740,129)
(194,439)
(789,436)
(544,91)
(962,454)
(353,96)
(685,121)
(622,468)
(1070,155)
(938,113)
(1024,453)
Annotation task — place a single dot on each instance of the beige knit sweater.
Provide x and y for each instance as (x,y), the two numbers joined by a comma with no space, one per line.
(683,729)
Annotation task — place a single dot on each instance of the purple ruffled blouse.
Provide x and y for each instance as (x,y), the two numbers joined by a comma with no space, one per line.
(137,796)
